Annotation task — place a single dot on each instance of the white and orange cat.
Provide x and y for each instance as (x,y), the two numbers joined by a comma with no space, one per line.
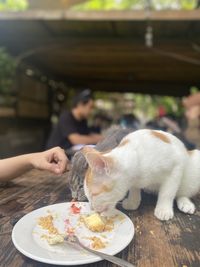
(145,159)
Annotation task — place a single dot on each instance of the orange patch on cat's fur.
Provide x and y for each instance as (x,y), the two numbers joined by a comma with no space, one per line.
(190,152)
(105,152)
(161,136)
(86,149)
(123,143)
(89,177)
(104,188)
(89,182)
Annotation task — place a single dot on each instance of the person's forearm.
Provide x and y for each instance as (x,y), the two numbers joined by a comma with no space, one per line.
(82,139)
(53,160)
(76,139)
(13,167)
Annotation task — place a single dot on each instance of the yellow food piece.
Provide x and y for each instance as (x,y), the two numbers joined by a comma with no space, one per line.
(109,225)
(94,222)
(55,239)
(47,224)
(97,243)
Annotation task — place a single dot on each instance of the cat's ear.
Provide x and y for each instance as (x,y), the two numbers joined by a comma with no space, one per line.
(97,162)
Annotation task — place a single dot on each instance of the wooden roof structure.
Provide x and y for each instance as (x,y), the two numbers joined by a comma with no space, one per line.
(106,50)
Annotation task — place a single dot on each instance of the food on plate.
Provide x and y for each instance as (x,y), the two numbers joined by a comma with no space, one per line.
(55,239)
(75,209)
(109,224)
(96,223)
(93,222)
(70,231)
(46,223)
(97,243)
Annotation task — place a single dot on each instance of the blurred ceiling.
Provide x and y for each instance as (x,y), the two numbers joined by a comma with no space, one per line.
(106,50)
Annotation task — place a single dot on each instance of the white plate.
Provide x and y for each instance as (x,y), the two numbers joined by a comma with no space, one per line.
(26,236)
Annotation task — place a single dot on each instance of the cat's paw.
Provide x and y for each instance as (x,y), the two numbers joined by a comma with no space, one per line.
(128,205)
(185,205)
(164,214)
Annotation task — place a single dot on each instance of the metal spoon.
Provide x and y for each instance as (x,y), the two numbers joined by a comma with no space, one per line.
(73,240)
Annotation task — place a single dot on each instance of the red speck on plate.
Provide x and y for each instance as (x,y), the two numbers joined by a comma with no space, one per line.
(75,209)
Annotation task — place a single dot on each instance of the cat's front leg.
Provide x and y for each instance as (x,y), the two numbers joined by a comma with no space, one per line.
(133,200)
(164,208)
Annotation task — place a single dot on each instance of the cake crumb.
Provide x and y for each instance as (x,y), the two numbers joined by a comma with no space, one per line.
(53,239)
(151,232)
(47,224)
(97,243)
(96,223)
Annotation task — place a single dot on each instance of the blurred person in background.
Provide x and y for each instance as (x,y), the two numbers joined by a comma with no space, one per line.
(192,106)
(72,129)
(101,122)
(130,121)
(170,123)
(192,113)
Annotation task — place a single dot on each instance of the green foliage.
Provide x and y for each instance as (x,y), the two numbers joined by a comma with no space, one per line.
(143,106)
(135,4)
(112,4)
(194,90)
(189,4)
(13,5)
(7,71)
(106,5)
(148,105)
(176,4)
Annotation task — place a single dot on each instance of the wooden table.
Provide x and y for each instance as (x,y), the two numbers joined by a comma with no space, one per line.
(155,244)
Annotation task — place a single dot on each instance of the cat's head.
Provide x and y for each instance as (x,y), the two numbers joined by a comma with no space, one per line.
(102,184)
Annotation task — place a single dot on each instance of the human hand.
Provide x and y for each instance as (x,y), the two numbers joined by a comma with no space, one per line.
(96,138)
(53,160)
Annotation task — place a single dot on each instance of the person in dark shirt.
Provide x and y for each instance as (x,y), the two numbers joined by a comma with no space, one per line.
(72,128)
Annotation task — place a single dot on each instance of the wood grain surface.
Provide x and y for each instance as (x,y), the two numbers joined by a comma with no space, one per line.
(156,244)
